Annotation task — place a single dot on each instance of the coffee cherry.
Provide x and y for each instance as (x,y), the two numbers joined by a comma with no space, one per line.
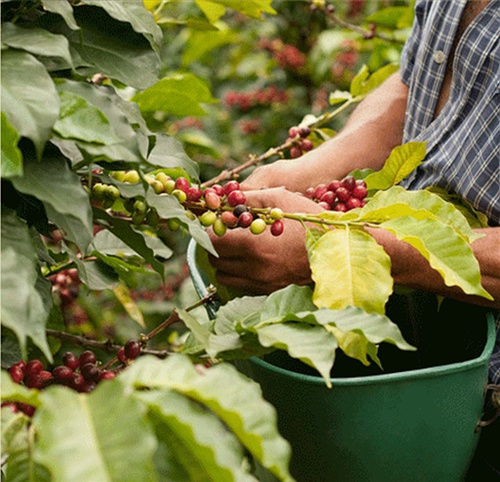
(112,192)
(295,152)
(107,375)
(353,203)
(140,207)
(306,145)
(27,409)
(334,185)
(34,381)
(293,132)
(46,377)
(118,175)
(163,178)
(88,356)
(62,372)
(182,184)
(131,177)
(70,360)
(231,186)
(16,373)
(276,213)
(157,186)
(212,200)
(120,354)
(218,189)
(33,367)
(98,190)
(349,183)
(310,192)
(208,218)
(341,207)
(277,227)
(152,217)
(194,194)
(328,197)
(219,227)
(180,195)
(132,349)
(236,197)
(258,226)
(173,224)
(169,186)
(89,371)
(229,219)
(78,382)
(320,190)
(239,210)
(245,219)
(304,131)
(359,192)
(343,194)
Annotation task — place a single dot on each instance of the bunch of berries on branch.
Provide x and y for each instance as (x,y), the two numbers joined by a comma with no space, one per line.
(344,195)
(297,135)
(81,373)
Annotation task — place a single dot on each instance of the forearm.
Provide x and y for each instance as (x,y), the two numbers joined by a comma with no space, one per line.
(411,269)
(372,131)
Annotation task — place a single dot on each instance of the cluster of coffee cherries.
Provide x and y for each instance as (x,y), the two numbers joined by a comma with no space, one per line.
(344,195)
(66,284)
(81,373)
(298,135)
(225,208)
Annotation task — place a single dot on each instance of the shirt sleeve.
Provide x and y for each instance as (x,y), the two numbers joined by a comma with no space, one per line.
(411,46)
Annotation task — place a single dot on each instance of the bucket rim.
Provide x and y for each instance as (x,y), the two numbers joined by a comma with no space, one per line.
(420,373)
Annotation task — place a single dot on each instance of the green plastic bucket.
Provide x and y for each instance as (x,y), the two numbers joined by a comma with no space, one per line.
(413,425)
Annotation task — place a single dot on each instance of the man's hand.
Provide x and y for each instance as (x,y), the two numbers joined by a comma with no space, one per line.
(261,264)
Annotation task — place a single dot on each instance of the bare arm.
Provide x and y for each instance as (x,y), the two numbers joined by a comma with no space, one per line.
(372,131)
(411,269)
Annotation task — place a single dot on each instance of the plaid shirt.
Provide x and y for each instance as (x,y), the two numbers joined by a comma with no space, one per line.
(463,141)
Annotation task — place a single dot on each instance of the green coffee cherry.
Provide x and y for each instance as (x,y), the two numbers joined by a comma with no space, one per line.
(169,186)
(163,178)
(138,218)
(152,218)
(219,227)
(173,224)
(276,213)
(180,195)
(208,218)
(131,176)
(140,207)
(157,186)
(118,175)
(258,226)
(98,190)
(112,192)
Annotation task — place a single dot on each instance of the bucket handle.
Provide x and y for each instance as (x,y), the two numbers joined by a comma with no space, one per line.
(495,406)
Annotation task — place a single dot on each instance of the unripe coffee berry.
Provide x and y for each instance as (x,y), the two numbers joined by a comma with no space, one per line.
(180,195)
(208,218)
(152,218)
(162,177)
(219,227)
(131,177)
(169,186)
(140,207)
(158,187)
(276,213)
(258,226)
(112,192)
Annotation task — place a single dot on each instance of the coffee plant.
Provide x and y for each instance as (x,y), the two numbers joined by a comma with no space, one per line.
(108,170)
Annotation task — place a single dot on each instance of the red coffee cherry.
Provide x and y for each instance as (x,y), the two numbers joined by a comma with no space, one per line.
(121,355)
(341,207)
(328,197)
(33,367)
(16,373)
(236,197)
(218,189)
(245,219)
(89,371)
(212,200)
(88,356)
(229,219)
(34,381)
(359,192)
(334,185)
(71,360)
(107,375)
(194,194)
(132,349)
(277,227)
(343,194)
(295,152)
(306,145)
(353,203)
(62,372)
(320,190)
(231,186)
(182,184)
(349,183)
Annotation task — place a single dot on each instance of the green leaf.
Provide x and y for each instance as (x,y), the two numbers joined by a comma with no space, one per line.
(420,204)
(196,437)
(200,332)
(402,161)
(240,405)
(339,96)
(131,237)
(114,49)
(96,274)
(132,145)
(80,120)
(201,43)
(355,345)
(53,183)
(363,83)
(22,304)
(168,153)
(235,313)
(350,269)
(12,158)
(63,9)
(444,249)
(111,424)
(178,94)
(134,13)
(14,392)
(31,107)
(281,303)
(376,328)
(123,295)
(17,450)
(214,9)
(387,17)
(311,344)
(36,41)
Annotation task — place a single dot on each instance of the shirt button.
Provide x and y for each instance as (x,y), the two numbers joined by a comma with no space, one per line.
(438,56)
